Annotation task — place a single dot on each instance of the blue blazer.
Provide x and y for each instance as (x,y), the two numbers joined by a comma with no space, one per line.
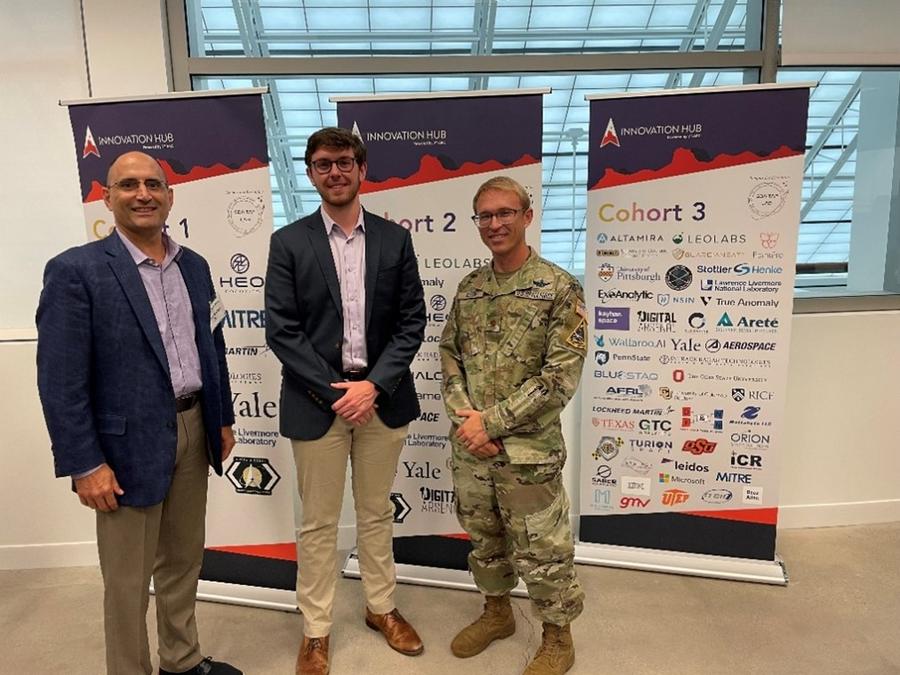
(103,376)
(305,328)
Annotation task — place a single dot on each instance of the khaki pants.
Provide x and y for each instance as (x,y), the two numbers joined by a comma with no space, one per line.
(373,450)
(164,541)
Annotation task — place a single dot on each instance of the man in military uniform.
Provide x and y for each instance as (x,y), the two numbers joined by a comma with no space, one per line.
(511,354)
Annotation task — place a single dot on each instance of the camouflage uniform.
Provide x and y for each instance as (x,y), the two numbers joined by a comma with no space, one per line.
(514,351)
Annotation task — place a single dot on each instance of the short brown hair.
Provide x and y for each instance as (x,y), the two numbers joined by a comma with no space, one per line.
(505,184)
(335,137)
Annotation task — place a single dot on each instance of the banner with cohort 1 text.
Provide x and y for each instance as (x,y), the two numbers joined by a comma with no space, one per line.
(223,211)
(427,156)
(692,223)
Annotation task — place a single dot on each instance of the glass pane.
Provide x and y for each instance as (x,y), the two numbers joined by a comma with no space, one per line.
(402,27)
(303,107)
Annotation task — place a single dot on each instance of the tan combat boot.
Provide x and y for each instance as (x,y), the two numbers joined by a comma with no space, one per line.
(495,623)
(556,653)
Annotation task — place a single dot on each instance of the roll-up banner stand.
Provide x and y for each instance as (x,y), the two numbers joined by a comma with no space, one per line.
(692,222)
(427,155)
(212,148)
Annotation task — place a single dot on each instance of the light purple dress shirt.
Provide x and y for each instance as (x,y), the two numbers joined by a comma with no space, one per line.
(174,315)
(349,255)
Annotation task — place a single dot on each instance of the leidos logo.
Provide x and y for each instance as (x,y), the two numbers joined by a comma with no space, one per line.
(90,147)
(610,136)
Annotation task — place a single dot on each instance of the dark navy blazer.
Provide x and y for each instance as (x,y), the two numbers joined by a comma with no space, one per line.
(304,324)
(103,376)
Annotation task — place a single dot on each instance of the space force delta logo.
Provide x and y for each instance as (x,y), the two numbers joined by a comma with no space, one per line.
(146,141)
(671,131)
(252,475)
(416,136)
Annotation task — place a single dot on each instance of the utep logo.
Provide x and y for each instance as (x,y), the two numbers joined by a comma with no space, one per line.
(674,497)
(90,147)
(610,136)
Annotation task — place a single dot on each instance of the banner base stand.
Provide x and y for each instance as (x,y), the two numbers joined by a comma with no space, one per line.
(248,596)
(690,564)
(422,575)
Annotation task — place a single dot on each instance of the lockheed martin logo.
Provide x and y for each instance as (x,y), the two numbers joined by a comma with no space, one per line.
(610,136)
(90,147)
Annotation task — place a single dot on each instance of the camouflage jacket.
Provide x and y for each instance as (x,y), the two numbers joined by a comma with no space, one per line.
(514,351)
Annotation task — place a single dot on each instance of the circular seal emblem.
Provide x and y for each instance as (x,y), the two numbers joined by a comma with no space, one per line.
(766,199)
(678,277)
(240,263)
(245,215)
(438,303)
(677,238)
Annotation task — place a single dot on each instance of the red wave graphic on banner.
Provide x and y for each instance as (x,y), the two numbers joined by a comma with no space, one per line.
(767,516)
(286,551)
(197,173)
(684,162)
(431,170)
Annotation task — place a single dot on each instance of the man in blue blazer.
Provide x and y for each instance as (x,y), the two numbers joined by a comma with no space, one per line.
(134,385)
(345,315)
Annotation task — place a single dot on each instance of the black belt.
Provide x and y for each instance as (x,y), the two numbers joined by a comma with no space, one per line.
(355,375)
(186,402)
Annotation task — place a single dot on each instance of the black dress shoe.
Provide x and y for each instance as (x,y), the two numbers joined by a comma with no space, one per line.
(207,667)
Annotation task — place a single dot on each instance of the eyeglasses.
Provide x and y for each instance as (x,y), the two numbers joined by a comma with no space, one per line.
(323,166)
(503,216)
(134,184)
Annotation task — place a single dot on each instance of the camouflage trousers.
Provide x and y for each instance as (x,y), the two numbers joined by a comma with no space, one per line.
(517,516)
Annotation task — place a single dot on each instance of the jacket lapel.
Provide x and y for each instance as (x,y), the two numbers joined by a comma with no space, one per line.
(129,278)
(322,250)
(373,257)
(195,282)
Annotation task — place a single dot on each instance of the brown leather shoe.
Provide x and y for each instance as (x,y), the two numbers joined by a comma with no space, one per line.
(313,656)
(396,630)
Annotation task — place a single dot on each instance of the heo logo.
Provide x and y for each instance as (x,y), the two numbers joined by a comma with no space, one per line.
(674,497)
(633,502)
(699,446)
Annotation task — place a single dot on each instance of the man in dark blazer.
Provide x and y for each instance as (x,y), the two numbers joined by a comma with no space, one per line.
(134,385)
(345,315)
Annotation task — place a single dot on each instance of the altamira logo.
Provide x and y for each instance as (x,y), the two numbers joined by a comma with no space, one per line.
(610,136)
(90,148)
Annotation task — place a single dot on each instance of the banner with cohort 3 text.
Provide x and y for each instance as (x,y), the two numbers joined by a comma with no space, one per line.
(212,149)
(426,158)
(693,212)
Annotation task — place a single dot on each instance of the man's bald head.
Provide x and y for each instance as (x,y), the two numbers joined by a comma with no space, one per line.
(130,157)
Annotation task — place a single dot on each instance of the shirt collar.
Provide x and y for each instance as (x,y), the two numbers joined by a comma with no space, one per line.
(330,223)
(173,250)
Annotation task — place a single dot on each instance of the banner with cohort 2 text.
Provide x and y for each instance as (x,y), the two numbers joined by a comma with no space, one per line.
(692,221)
(427,156)
(223,211)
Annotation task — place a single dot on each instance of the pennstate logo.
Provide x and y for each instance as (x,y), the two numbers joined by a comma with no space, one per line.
(90,147)
(610,136)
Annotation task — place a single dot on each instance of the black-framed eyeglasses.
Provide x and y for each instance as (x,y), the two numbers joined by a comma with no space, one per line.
(323,166)
(134,184)
(503,216)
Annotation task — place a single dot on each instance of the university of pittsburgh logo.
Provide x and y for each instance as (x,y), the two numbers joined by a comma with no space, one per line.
(90,148)
(610,136)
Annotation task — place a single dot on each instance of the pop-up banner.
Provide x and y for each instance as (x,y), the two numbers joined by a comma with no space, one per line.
(212,148)
(692,222)
(427,156)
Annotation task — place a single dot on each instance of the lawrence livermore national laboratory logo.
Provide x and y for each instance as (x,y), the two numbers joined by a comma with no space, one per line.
(252,475)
